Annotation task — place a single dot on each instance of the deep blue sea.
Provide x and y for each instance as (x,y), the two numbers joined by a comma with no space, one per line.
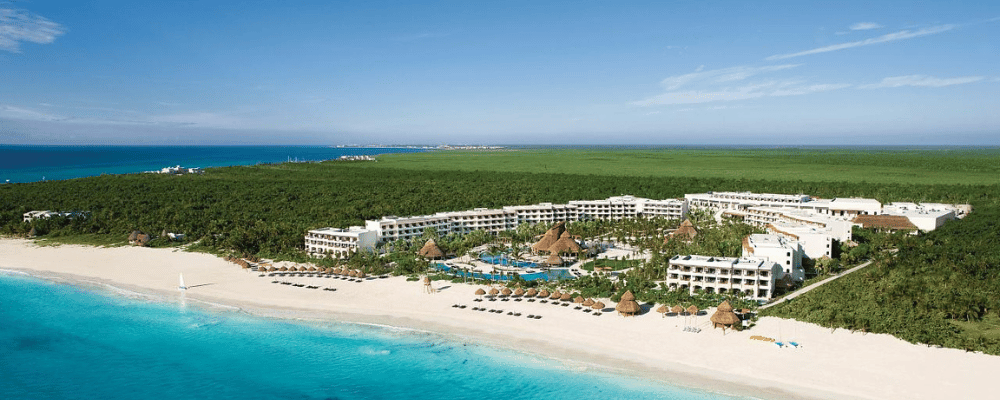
(36,163)
(60,341)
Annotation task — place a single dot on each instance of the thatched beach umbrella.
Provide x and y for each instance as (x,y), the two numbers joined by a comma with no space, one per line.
(598,306)
(692,310)
(494,292)
(531,292)
(480,292)
(566,297)
(329,270)
(283,269)
(361,274)
(578,299)
(588,303)
(543,293)
(506,292)
(677,309)
(519,292)
(724,316)
(628,306)
(663,309)
(555,295)
(271,269)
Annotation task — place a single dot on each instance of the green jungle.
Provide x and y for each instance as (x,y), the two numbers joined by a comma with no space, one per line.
(937,288)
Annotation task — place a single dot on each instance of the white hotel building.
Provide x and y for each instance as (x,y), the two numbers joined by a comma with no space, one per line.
(339,243)
(754,277)
(393,228)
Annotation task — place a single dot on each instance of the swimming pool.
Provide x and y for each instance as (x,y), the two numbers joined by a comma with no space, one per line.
(550,275)
(503,260)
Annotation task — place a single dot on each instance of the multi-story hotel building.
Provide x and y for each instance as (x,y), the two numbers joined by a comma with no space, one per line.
(339,243)
(786,252)
(753,277)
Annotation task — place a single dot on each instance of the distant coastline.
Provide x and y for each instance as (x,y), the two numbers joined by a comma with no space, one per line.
(34,163)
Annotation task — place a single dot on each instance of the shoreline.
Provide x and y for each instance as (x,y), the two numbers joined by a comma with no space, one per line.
(831,365)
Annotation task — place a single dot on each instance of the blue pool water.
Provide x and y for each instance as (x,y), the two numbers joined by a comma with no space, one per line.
(550,275)
(36,163)
(503,260)
(67,342)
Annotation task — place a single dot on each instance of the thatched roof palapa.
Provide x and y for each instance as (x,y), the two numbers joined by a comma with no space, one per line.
(494,292)
(554,259)
(685,232)
(531,292)
(519,292)
(588,303)
(543,293)
(555,295)
(628,306)
(598,306)
(677,309)
(566,297)
(663,309)
(724,316)
(564,245)
(692,310)
(551,237)
(578,299)
(480,292)
(431,250)
(506,292)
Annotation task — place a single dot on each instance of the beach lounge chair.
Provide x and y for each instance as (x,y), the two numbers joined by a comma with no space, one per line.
(794,344)
(780,344)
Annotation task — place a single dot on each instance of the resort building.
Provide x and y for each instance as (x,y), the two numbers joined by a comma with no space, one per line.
(718,201)
(852,207)
(490,220)
(339,243)
(926,217)
(543,212)
(785,252)
(754,277)
(33,215)
(815,242)
(625,207)
(393,228)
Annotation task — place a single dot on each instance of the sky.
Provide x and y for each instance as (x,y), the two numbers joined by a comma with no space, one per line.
(505,72)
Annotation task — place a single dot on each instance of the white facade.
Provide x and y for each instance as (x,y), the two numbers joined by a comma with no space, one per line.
(815,242)
(927,217)
(741,200)
(754,277)
(394,228)
(786,252)
(490,220)
(33,215)
(339,243)
(543,212)
(852,207)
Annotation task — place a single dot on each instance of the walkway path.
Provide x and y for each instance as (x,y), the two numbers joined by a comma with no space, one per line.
(802,291)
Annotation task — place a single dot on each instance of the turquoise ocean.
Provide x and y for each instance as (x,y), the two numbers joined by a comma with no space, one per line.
(36,163)
(71,341)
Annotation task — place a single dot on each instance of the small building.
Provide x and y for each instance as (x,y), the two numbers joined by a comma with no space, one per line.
(854,206)
(46,214)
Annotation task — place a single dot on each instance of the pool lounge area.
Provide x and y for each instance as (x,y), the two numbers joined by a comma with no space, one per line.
(550,275)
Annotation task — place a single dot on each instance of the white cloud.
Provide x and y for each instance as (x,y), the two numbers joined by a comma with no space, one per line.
(921,81)
(722,75)
(891,37)
(18,26)
(864,26)
(199,119)
(731,84)
(13,112)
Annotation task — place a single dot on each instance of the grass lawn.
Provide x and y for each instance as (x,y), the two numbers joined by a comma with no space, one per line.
(615,265)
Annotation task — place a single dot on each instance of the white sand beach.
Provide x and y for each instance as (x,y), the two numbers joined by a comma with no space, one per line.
(828,364)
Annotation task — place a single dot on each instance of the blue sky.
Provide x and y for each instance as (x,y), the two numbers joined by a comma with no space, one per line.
(510,72)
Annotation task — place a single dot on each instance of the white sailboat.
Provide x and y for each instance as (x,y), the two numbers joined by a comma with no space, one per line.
(182,287)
